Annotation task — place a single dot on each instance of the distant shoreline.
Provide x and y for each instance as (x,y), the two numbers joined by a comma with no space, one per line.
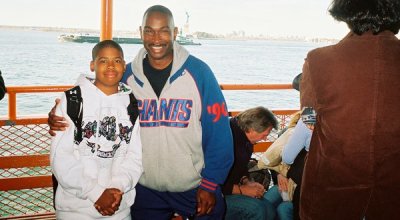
(232,36)
(50,29)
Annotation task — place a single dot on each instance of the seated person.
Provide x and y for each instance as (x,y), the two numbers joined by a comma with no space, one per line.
(295,151)
(301,136)
(272,159)
(244,198)
(281,194)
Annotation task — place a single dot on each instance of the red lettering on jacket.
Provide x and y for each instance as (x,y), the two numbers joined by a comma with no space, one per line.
(217,109)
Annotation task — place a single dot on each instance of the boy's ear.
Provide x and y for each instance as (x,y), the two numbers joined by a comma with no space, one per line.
(92,65)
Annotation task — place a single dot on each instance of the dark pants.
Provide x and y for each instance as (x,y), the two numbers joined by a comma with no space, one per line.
(152,204)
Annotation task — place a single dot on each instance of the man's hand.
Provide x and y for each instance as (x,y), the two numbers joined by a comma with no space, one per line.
(252,189)
(109,201)
(55,122)
(205,202)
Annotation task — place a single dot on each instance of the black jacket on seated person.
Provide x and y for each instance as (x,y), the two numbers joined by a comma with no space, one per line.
(2,87)
(243,149)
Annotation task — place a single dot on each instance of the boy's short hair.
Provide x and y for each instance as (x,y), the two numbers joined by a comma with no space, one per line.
(104,44)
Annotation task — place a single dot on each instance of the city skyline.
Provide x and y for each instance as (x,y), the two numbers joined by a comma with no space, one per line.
(308,18)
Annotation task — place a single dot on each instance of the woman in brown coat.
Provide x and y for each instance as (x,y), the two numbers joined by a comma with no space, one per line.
(353,166)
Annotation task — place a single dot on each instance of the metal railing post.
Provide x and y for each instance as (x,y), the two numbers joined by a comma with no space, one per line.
(12,105)
(106,20)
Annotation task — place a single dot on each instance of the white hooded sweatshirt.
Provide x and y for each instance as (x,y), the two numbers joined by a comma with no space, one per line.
(109,156)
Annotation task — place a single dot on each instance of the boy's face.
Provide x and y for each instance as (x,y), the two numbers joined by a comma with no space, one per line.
(109,67)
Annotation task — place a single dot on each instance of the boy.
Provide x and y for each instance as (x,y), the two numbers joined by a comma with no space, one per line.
(97,172)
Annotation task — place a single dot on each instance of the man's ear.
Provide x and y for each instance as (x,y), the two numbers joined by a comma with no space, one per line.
(141,32)
(175,32)
(92,65)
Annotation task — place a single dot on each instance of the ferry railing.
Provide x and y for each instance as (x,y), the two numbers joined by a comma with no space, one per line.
(25,174)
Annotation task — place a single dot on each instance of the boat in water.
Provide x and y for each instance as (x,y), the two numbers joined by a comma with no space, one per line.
(183,40)
(90,38)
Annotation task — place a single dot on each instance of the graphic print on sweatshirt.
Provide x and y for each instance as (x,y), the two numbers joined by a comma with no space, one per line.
(109,140)
(168,112)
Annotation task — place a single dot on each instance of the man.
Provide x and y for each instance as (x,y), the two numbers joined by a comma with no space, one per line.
(187,143)
(244,198)
(354,87)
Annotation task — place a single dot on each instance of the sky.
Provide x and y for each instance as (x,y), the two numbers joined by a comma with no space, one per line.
(308,18)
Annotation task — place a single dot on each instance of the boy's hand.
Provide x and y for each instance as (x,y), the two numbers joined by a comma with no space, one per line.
(109,201)
(55,122)
(118,197)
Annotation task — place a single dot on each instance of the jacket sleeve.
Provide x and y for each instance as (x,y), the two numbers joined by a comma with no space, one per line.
(127,169)
(216,133)
(77,174)
(300,139)
(3,89)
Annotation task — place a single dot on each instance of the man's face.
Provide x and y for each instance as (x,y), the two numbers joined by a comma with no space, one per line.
(158,37)
(255,137)
(109,67)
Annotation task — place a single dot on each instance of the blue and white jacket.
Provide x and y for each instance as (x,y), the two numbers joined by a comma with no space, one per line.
(187,141)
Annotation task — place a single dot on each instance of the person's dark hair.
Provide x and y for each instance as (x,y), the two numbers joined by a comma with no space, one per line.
(161,9)
(368,15)
(296,82)
(104,44)
(258,119)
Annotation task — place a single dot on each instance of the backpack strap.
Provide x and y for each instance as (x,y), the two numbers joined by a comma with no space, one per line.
(75,110)
(133,110)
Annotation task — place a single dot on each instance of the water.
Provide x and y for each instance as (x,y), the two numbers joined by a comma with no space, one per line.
(31,57)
